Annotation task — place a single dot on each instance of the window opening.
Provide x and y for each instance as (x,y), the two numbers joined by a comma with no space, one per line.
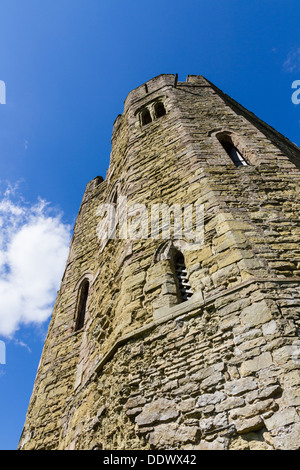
(183,281)
(233,152)
(146,117)
(81,307)
(159,110)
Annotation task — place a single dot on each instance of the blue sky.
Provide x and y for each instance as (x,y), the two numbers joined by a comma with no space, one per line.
(68,65)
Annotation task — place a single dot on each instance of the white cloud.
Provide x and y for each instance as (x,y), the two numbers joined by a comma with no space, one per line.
(34,246)
(292,62)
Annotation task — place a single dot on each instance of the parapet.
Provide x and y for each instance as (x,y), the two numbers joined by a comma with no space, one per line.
(91,187)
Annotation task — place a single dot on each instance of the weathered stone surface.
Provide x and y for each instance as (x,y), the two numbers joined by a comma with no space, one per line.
(169,435)
(265,392)
(262,361)
(157,411)
(248,425)
(213,423)
(229,403)
(147,371)
(291,397)
(241,386)
(217,444)
(282,418)
(187,405)
(134,402)
(213,380)
(249,441)
(289,440)
(211,398)
(292,378)
(248,411)
(256,314)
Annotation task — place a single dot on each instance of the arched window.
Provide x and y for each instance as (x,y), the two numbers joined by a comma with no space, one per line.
(159,109)
(232,151)
(81,304)
(185,290)
(146,117)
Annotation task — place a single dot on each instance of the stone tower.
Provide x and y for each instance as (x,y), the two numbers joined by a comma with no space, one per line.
(157,342)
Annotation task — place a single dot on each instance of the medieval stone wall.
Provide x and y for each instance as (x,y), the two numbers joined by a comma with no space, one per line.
(220,370)
(222,376)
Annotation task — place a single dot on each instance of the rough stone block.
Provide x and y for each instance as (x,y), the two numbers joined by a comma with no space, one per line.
(210,398)
(157,411)
(248,425)
(240,386)
(170,435)
(256,314)
(290,440)
(282,418)
(260,362)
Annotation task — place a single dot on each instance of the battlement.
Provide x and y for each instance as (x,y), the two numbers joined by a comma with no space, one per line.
(158,83)
(151,86)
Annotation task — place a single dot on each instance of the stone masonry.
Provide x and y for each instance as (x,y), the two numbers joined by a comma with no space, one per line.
(147,371)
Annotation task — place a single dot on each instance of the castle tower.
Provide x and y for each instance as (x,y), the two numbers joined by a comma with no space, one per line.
(179,337)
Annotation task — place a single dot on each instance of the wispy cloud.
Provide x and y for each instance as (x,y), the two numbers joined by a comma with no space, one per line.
(292,61)
(33,249)
(22,344)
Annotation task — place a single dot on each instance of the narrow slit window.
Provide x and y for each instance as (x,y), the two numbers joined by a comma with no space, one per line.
(233,152)
(146,117)
(182,277)
(114,199)
(81,306)
(159,109)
